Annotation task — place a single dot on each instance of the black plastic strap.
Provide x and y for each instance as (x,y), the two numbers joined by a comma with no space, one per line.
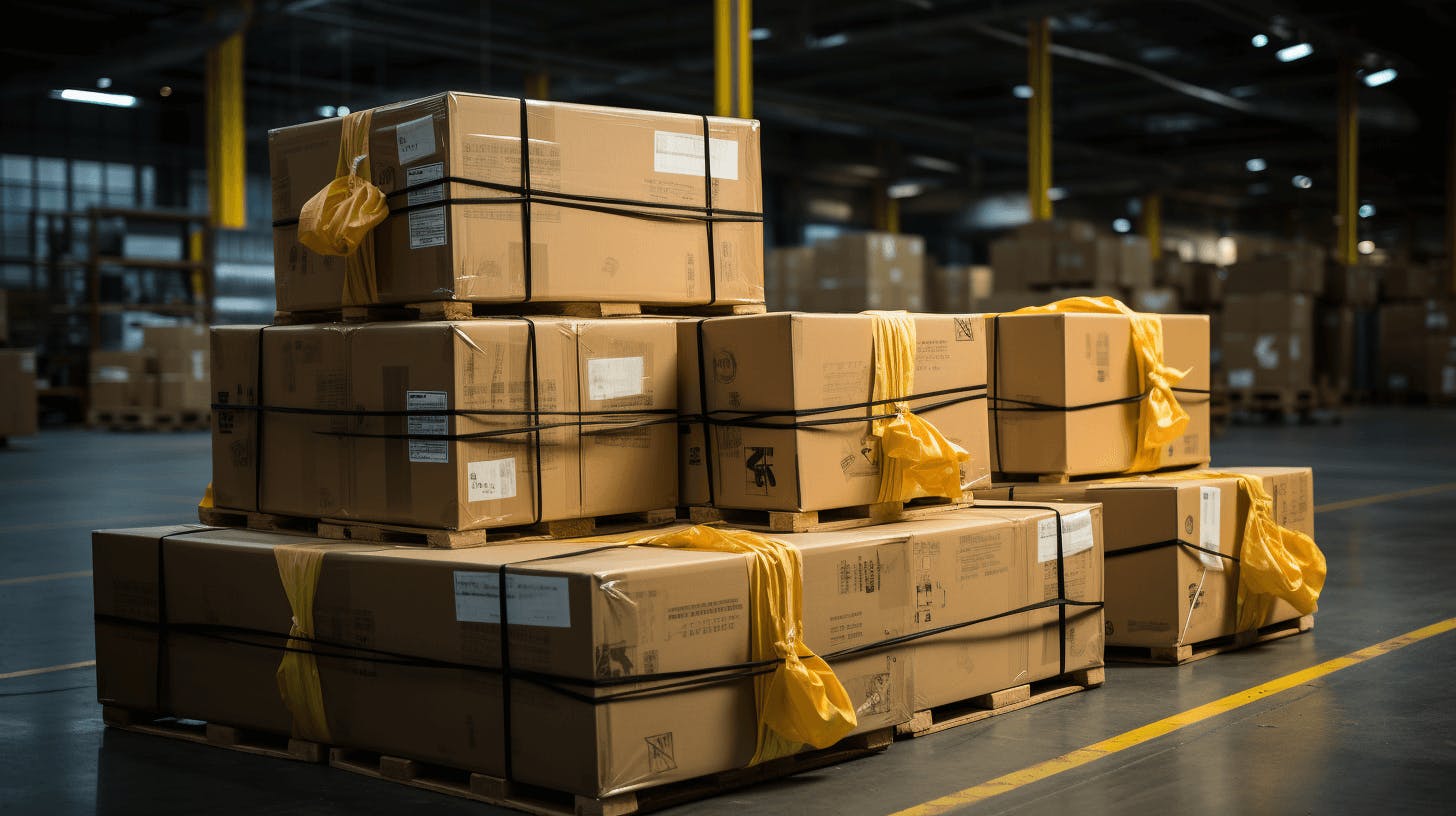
(703,410)
(526,203)
(538,502)
(708,211)
(161,701)
(1009,404)
(758,419)
(1172,542)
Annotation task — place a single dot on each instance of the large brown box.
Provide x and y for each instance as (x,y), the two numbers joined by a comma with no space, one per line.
(692,470)
(1356,285)
(1268,340)
(1299,269)
(956,289)
(1334,346)
(617,211)
(1159,593)
(869,270)
(1410,281)
(420,423)
(789,278)
(181,360)
(1134,262)
(123,380)
(17,392)
(820,367)
(577,613)
(1418,349)
(1045,369)
(1094,262)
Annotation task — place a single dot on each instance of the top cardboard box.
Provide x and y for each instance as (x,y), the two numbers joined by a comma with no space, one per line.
(616,210)
(1064,391)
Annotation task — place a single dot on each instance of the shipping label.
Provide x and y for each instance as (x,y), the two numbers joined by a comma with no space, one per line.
(428,450)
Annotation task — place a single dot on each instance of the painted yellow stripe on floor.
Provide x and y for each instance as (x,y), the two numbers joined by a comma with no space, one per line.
(1167,725)
(1385,497)
(47,670)
(54,576)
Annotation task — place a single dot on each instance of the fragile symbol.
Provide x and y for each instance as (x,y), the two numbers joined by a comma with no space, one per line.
(760,467)
(659,753)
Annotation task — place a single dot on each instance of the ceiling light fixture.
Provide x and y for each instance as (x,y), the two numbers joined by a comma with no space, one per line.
(1122,225)
(1298,51)
(1260,40)
(1366,247)
(1377,78)
(1366,210)
(96,98)
(1302,182)
(1256,165)
(760,34)
(1022,92)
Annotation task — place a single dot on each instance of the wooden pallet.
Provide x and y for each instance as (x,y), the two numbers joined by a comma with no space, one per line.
(219,736)
(934,720)
(818,521)
(546,802)
(462,310)
(1273,401)
(1063,478)
(1188,653)
(149,419)
(267,522)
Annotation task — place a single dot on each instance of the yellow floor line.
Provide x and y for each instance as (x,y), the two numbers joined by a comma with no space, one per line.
(1385,497)
(54,576)
(1167,725)
(47,670)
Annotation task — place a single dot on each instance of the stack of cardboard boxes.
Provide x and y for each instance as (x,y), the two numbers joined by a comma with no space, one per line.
(851,273)
(164,383)
(1417,334)
(600,666)
(1268,321)
(1345,332)
(17,382)
(1065,258)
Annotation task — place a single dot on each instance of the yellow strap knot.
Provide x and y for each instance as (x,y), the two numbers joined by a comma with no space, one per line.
(1160,418)
(299,685)
(916,458)
(340,218)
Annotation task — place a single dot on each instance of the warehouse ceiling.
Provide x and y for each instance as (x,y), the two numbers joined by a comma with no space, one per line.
(855,96)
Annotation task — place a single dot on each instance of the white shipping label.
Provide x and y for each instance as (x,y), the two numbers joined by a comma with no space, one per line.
(1241,378)
(109,374)
(1294,347)
(27,363)
(416,139)
(1266,353)
(1435,319)
(199,365)
(492,479)
(427,228)
(682,154)
(1210,518)
(1077,536)
(424,174)
(615,377)
(531,600)
(428,450)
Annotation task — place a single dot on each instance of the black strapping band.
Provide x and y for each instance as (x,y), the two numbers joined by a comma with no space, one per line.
(1172,542)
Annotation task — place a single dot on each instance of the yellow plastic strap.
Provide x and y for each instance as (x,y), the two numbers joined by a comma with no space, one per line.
(915,457)
(298,676)
(801,702)
(207,502)
(340,218)
(1160,418)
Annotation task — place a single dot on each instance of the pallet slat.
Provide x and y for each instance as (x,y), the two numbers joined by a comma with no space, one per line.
(149,419)
(976,709)
(218,736)
(811,521)
(1192,652)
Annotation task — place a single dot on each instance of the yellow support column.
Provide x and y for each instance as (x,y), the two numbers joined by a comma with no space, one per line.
(1348,150)
(538,85)
(1153,224)
(886,212)
(733,58)
(226,150)
(1039,119)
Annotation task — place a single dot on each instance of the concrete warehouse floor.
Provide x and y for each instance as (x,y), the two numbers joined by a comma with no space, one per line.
(1374,737)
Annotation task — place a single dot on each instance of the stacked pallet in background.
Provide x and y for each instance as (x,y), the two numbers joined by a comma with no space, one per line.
(17,394)
(1345,333)
(163,385)
(1267,343)
(1067,258)
(1417,335)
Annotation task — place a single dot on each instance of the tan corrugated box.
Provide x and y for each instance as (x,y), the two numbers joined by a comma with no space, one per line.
(18,406)
(796,367)
(1268,340)
(617,212)
(123,379)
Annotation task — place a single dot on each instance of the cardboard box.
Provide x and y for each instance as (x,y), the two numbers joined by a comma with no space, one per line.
(589,617)
(650,165)
(122,380)
(1418,349)
(1021,264)
(1162,300)
(1095,262)
(1161,594)
(235,442)
(4,316)
(1357,285)
(788,275)
(1208,283)
(780,363)
(17,393)
(181,354)
(956,289)
(350,412)
(1300,269)
(1334,345)
(1134,262)
(1268,340)
(1066,361)
(870,270)
(1410,281)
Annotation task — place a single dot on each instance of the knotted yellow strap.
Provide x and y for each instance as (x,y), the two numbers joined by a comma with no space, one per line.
(1160,418)
(801,702)
(915,457)
(340,218)
(298,676)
